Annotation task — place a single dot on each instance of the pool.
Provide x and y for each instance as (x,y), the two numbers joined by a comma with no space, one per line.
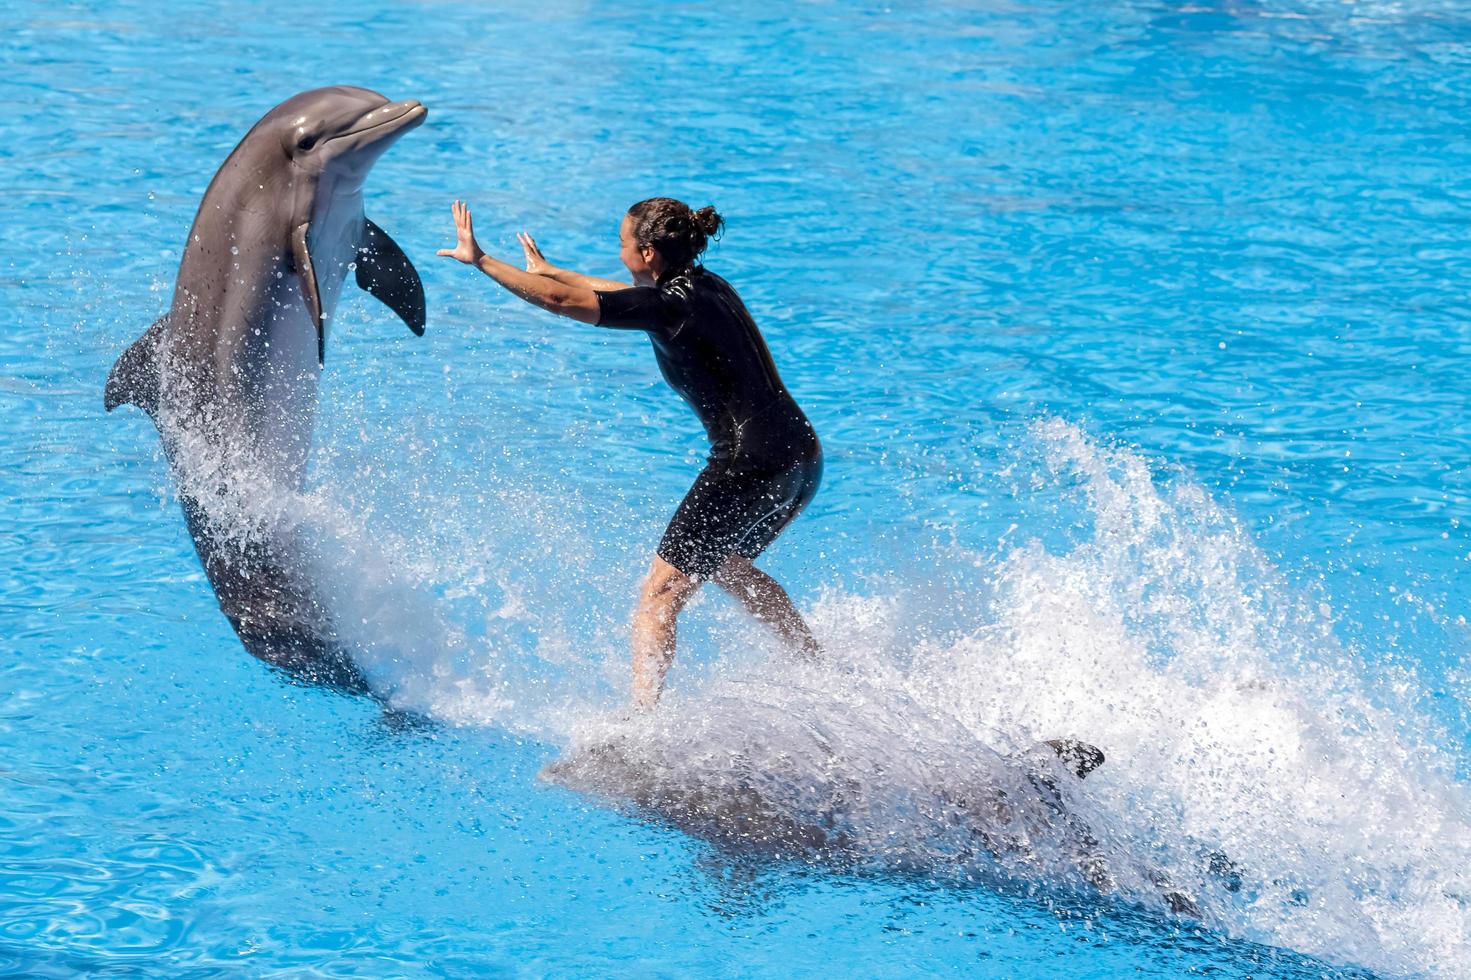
(1135,336)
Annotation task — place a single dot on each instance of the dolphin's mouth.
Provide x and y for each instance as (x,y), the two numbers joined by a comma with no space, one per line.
(410,113)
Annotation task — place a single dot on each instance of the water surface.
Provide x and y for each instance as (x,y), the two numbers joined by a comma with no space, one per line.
(1135,335)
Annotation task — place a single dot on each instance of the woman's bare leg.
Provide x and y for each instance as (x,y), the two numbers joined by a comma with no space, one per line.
(665,591)
(765,599)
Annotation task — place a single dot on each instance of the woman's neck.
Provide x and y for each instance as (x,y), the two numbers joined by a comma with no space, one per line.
(667,274)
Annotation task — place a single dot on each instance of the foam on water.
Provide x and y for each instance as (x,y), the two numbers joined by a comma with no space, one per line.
(1234,722)
(1231,716)
(445,619)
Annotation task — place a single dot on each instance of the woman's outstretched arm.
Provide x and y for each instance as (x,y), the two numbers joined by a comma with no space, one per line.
(577,302)
(538,264)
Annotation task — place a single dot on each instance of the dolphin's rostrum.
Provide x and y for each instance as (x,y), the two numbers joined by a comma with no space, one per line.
(229,374)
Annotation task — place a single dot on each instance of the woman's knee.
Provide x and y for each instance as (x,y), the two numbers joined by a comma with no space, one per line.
(738,574)
(665,589)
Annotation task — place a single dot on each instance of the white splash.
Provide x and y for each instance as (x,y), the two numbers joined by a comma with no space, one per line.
(1233,721)
(1230,716)
(1234,724)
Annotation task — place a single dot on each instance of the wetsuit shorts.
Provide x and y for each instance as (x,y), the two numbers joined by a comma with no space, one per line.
(737,506)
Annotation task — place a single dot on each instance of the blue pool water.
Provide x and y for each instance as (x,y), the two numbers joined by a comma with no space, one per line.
(1136,334)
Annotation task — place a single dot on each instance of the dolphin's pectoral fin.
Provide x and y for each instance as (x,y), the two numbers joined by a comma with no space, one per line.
(386,272)
(133,379)
(309,292)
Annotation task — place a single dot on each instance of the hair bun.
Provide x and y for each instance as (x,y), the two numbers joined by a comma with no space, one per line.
(708,221)
(677,233)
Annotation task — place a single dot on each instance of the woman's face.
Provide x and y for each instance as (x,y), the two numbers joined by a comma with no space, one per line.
(641,260)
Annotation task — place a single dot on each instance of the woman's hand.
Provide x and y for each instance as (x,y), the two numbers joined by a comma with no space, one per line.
(466,249)
(574,301)
(535,262)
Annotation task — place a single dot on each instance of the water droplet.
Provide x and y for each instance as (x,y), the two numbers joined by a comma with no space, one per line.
(234,250)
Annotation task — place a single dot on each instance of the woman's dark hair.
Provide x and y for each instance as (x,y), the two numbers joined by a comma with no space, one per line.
(678,233)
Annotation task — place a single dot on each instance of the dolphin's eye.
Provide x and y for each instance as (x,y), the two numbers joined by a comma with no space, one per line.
(306,142)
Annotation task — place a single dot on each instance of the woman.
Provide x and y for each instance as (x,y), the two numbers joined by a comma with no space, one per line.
(765,461)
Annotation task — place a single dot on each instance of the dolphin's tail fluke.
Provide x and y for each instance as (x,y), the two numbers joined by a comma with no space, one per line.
(133,379)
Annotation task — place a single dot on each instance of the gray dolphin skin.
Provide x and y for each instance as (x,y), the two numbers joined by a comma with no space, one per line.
(741,804)
(229,375)
(1020,812)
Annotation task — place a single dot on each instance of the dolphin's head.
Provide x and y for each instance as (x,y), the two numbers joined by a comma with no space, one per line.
(341,129)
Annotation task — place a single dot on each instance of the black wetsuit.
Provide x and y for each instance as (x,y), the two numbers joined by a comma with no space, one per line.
(765,460)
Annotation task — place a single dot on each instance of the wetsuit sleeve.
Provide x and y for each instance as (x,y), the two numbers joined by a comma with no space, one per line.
(642,308)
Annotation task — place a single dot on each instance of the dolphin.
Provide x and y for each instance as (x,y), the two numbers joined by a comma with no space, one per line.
(745,804)
(808,777)
(229,375)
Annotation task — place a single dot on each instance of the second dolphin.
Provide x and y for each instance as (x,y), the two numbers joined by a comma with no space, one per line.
(229,374)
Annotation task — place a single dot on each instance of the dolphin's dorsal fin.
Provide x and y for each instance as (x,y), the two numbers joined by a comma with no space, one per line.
(1077,757)
(309,291)
(133,379)
(386,272)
